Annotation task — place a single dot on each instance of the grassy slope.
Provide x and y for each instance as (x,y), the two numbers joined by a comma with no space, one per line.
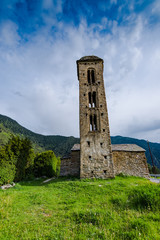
(86,209)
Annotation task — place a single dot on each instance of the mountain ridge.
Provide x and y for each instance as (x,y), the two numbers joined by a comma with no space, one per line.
(62,145)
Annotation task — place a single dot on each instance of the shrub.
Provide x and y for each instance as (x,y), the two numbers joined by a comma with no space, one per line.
(18,157)
(24,155)
(47,164)
(25,160)
(7,166)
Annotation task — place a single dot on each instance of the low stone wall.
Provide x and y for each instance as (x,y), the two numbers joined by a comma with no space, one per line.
(71,166)
(130,163)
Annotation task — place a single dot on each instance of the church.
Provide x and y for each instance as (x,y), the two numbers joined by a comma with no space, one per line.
(95,156)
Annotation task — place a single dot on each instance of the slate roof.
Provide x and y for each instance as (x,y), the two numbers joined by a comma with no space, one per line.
(76,147)
(89,58)
(127,148)
(117,147)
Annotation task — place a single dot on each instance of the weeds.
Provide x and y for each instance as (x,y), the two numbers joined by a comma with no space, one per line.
(117,209)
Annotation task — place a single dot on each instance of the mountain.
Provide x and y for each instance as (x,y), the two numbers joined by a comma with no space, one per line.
(62,145)
(59,144)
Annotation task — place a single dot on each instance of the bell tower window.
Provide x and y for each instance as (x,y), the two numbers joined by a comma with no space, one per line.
(88,76)
(91,76)
(92,99)
(93,122)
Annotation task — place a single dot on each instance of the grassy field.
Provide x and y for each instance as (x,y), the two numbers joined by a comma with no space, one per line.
(121,208)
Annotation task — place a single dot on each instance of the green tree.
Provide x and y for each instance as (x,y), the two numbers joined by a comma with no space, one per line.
(47,164)
(25,160)
(7,165)
(24,156)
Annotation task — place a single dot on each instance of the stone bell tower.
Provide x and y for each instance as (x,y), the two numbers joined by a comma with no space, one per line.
(95,143)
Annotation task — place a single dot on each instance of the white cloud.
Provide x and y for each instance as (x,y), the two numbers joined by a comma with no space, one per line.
(39,85)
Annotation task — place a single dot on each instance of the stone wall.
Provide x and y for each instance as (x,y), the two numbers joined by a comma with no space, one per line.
(71,166)
(130,163)
(95,144)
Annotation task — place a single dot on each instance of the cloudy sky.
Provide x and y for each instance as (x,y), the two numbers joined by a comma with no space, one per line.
(40,41)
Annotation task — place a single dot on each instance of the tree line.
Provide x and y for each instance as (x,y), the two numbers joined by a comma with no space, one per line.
(19,162)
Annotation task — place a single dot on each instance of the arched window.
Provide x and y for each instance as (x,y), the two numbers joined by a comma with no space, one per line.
(94,99)
(90,99)
(91,76)
(88,76)
(93,123)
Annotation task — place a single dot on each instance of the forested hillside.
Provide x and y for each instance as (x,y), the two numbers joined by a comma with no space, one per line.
(61,145)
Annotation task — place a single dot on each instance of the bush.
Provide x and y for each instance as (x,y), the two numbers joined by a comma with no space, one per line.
(24,155)
(46,164)
(25,160)
(7,173)
(7,166)
(18,157)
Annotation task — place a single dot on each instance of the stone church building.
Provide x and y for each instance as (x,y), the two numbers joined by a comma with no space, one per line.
(95,157)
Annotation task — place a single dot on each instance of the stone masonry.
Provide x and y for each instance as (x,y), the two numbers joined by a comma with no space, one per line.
(95,142)
(70,166)
(130,159)
(95,157)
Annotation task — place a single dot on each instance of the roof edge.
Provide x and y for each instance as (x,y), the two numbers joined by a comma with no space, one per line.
(90,58)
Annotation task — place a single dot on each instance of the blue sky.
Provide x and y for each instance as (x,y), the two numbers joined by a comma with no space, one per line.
(40,41)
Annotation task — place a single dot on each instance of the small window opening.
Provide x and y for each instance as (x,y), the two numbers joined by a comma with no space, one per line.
(99,82)
(85,84)
(101,114)
(95,122)
(101,144)
(84,94)
(86,114)
(105,171)
(88,143)
(94,99)
(105,157)
(88,74)
(101,105)
(103,130)
(93,77)
(83,74)
(92,172)
(91,125)
(90,100)
(89,157)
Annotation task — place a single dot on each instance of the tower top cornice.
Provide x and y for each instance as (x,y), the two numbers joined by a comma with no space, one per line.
(89,59)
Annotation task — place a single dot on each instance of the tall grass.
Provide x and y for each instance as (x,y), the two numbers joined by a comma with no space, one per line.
(121,208)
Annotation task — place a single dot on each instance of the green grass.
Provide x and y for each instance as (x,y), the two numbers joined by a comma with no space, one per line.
(121,208)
